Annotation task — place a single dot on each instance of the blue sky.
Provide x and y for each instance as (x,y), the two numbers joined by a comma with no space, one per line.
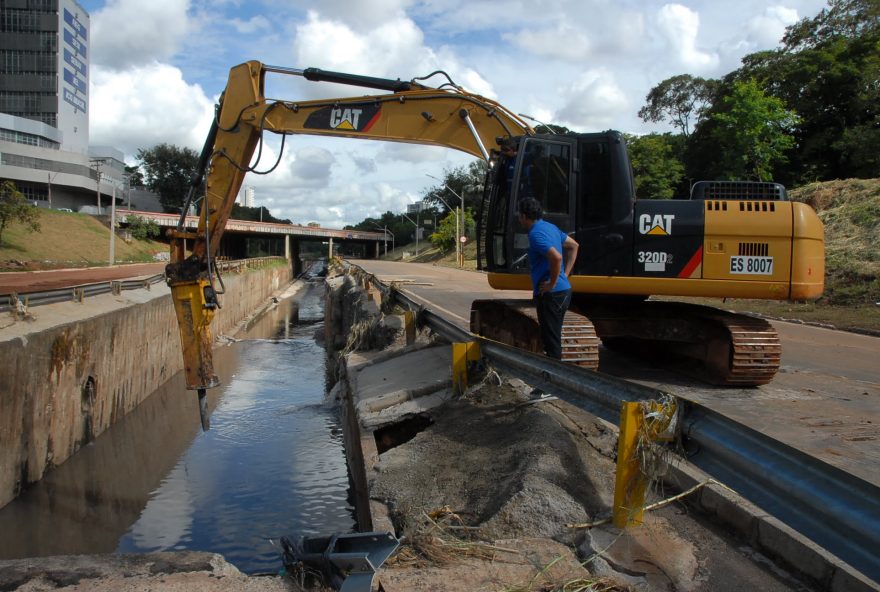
(159,66)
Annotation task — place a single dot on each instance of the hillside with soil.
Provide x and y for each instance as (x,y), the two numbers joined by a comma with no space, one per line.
(69,239)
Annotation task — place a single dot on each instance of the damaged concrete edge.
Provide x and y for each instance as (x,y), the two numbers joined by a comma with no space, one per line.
(753,526)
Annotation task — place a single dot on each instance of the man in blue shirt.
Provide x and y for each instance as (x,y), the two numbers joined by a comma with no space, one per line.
(552,254)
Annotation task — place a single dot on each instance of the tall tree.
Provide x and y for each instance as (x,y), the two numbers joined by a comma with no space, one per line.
(753,132)
(167,172)
(14,207)
(681,100)
(657,165)
(467,182)
(829,69)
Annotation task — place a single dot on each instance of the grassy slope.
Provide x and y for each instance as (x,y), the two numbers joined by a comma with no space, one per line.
(68,239)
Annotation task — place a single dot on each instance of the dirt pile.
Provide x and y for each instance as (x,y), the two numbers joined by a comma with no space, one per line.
(506,467)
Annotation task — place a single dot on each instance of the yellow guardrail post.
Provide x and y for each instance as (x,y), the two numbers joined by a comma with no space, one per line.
(462,353)
(409,323)
(629,486)
(642,424)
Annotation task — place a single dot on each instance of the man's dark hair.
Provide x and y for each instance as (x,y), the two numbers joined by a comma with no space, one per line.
(530,208)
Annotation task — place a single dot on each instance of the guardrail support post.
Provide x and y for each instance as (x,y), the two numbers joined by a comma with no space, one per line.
(462,353)
(630,484)
(409,321)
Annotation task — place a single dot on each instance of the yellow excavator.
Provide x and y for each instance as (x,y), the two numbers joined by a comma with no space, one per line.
(729,239)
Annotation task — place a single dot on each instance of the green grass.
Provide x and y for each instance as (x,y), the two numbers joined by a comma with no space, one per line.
(68,239)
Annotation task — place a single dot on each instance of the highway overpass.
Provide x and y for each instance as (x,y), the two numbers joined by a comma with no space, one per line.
(245,238)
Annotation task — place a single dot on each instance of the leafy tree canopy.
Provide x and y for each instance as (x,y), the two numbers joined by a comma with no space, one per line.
(445,237)
(681,100)
(753,132)
(657,165)
(14,207)
(167,172)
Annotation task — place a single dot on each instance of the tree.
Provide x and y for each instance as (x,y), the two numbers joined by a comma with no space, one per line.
(142,229)
(167,172)
(14,207)
(829,68)
(135,176)
(466,182)
(258,214)
(753,132)
(445,238)
(657,165)
(842,18)
(680,100)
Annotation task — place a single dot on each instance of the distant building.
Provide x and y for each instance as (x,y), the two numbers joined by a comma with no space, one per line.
(246,196)
(44,108)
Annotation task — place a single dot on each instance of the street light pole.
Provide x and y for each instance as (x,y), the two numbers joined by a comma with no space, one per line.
(113,227)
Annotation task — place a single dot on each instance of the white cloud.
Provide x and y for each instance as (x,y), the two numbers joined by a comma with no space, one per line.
(395,49)
(767,29)
(145,106)
(401,152)
(679,26)
(129,33)
(252,25)
(311,168)
(546,42)
(593,102)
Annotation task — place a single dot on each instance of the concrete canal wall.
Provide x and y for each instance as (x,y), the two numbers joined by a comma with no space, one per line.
(78,368)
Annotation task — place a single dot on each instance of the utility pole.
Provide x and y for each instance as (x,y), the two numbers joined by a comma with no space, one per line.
(97,163)
(50,176)
(113,227)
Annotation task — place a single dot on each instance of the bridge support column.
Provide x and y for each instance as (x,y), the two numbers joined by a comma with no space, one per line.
(287,247)
(330,250)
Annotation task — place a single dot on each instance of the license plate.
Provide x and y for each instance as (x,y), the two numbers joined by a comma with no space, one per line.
(752,265)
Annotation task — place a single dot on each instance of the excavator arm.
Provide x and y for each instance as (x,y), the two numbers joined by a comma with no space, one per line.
(408,112)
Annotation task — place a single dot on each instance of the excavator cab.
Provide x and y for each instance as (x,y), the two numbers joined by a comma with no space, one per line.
(585,187)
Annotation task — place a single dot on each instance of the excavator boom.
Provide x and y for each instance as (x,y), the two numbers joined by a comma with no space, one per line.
(408,112)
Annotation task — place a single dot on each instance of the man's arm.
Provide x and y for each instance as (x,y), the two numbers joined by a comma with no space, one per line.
(570,250)
(554,258)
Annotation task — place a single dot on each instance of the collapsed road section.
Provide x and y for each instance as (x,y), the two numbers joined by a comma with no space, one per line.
(495,487)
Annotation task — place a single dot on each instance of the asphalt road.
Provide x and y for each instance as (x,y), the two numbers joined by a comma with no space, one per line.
(22,282)
(825,400)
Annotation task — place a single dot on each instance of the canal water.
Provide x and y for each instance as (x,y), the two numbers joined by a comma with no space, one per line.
(272,464)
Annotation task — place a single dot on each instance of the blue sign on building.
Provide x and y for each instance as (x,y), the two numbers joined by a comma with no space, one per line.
(77,26)
(76,63)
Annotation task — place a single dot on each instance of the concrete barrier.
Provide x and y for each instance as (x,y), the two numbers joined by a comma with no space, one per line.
(67,377)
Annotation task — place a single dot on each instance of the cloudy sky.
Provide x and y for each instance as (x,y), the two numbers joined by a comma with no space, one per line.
(158,67)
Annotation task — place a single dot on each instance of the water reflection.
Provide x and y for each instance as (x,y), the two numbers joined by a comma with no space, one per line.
(272,463)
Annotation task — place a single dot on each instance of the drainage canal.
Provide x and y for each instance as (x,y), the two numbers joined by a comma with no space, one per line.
(272,464)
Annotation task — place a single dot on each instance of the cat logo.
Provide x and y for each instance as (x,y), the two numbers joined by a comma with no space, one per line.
(345,118)
(656,224)
(353,117)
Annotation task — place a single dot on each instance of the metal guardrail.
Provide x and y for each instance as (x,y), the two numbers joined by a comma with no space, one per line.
(11,302)
(836,510)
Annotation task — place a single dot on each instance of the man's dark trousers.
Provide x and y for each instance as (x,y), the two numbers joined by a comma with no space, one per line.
(551,307)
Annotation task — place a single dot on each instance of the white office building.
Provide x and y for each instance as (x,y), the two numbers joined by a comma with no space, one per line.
(44,109)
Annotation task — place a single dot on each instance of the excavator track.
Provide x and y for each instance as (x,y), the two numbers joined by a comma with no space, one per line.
(716,346)
(750,356)
(515,322)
